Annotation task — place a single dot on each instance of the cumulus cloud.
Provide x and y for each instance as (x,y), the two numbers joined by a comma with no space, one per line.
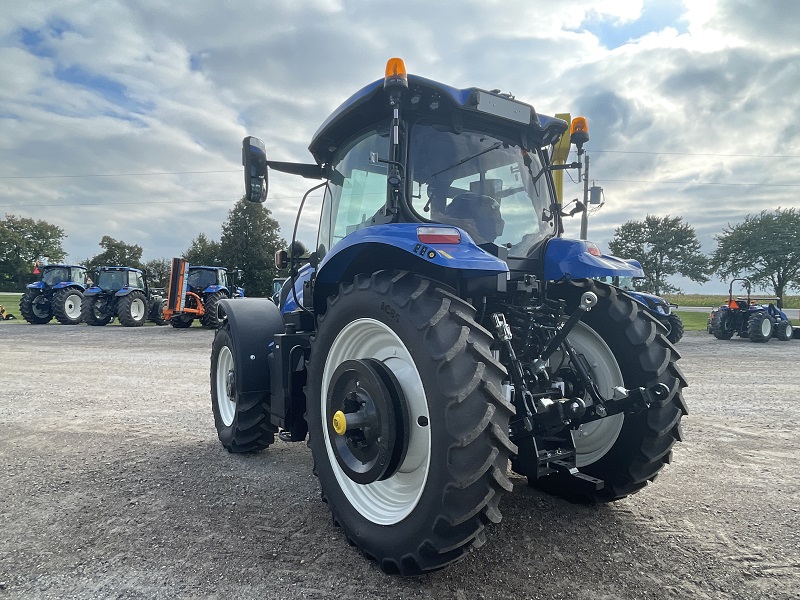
(126,118)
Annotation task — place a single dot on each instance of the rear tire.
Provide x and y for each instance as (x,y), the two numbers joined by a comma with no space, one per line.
(242,420)
(66,305)
(132,310)
(759,327)
(447,455)
(624,341)
(209,318)
(34,308)
(720,324)
(675,327)
(93,311)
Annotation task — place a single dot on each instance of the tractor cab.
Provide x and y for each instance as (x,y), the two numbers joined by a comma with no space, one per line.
(114,279)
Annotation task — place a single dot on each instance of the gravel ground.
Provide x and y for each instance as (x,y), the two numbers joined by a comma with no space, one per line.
(113,485)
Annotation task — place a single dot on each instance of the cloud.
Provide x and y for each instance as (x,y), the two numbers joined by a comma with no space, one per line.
(126,118)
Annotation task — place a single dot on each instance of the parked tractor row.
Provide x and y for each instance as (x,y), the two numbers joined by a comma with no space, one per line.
(67,293)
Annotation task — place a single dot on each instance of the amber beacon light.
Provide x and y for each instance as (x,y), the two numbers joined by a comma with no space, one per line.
(396,74)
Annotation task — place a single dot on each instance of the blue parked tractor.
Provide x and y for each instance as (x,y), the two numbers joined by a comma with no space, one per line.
(58,293)
(442,327)
(194,293)
(121,292)
(660,308)
(747,317)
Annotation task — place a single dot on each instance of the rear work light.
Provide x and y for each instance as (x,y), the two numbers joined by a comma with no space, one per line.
(438,235)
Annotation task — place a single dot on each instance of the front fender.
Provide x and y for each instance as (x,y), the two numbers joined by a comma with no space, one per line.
(396,246)
(578,259)
(65,284)
(252,323)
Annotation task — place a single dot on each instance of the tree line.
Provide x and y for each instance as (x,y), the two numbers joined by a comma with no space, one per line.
(764,248)
(248,241)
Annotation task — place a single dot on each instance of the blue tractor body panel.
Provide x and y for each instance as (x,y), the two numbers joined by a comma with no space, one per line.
(572,258)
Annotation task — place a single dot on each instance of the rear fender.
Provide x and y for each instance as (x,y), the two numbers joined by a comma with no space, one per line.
(92,291)
(395,246)
(213,289)
(36,285)
(253,324)
(579,259)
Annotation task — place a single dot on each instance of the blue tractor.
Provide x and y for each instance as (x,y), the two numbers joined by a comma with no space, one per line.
(442,327)
(58,293)
(195,291)
(121,292)
(661,309)
(747,317)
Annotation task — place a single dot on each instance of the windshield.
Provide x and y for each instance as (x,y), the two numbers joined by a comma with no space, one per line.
(112,280)
(488,186)
(201,278)
(55,275)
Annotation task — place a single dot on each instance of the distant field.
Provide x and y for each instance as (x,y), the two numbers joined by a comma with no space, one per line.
(716,300)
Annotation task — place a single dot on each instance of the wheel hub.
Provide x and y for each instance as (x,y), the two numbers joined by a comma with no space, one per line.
(367,420)
(230,383)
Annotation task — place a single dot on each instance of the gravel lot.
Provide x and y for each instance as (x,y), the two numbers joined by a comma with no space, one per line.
(113,485)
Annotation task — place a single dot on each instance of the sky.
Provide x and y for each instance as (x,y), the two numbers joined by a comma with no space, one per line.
(126,118)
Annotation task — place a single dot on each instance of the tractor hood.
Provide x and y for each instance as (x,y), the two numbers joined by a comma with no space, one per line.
(427,97)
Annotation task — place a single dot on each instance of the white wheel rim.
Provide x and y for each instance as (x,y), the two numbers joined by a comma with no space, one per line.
(389,501)
(137,309)
(766,327)
(787,330)
(72,306)
(226,406)
(593,440)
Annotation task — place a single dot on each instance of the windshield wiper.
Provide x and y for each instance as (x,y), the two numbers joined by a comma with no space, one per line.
(494,146)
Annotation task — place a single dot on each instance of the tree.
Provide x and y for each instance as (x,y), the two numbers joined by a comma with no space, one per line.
(158,271)
(664,246)
(23,243)
(116,253)
(250,238)
(765,249)
(203,251)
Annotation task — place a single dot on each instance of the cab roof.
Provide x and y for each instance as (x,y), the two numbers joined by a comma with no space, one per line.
(370,105)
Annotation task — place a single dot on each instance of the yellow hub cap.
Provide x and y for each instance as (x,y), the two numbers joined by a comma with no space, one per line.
(339,422)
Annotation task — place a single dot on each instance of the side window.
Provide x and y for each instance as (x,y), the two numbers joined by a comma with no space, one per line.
(357,191)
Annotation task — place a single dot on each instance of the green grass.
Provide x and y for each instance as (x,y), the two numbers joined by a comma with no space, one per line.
(716,300)
(11,303)
(693,321)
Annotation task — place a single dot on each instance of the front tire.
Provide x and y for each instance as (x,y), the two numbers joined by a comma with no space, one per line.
(132,310)
(93,311)
(448,448)
(157,312)
(181,321)
(784,331)
(242,419)
(34,308)
(66,305)
(622,343)
(759,327)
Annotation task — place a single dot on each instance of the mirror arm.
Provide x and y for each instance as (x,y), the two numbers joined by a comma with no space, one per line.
(309,171)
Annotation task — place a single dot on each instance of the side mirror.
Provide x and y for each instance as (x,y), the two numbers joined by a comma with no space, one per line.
(254,160)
